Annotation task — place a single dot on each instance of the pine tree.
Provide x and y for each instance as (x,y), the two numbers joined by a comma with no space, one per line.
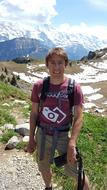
(13,81)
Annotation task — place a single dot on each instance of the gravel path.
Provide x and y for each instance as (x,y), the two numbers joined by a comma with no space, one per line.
(18,171)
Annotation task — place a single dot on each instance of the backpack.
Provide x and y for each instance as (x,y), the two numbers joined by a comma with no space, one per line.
(70,91)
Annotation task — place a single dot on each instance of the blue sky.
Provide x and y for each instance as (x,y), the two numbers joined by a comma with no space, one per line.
(92,12)
(85,16)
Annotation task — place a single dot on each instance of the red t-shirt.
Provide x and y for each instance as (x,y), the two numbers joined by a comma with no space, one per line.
(55,109)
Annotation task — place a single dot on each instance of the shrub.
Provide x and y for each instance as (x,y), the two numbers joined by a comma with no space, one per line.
(7,135)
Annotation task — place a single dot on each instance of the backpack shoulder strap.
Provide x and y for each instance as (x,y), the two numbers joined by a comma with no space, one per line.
(70,89)
(45,88)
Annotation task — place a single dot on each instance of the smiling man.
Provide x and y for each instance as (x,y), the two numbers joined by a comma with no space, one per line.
(53,118)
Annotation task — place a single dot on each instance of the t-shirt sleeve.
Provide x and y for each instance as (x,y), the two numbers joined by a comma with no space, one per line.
(35,94)
(78,95)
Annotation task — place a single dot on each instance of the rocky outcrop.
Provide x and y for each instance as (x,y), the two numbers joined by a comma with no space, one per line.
(93,55)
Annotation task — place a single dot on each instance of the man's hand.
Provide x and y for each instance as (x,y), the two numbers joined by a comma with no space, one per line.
(71,153)
(31,147)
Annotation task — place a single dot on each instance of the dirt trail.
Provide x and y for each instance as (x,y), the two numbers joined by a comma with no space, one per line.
(18,171)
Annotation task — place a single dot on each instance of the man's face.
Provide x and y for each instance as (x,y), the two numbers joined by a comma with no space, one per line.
(56,66)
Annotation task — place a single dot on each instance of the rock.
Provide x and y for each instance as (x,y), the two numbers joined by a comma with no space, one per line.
(91,55)
(1,133)
(8,126)
(20,101)
(100,110)
(6,104)
(23,129)
(12,143)
(25,139)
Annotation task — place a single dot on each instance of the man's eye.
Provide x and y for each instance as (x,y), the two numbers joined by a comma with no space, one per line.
(60,62)
(52,62)
(56,63)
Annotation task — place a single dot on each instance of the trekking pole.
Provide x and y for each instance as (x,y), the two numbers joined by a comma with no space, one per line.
(81,174)
(61,160)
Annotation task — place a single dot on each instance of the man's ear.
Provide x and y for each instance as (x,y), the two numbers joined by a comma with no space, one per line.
(66,63)
(46,64)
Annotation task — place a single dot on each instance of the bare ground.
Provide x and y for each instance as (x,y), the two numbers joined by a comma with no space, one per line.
(18,171)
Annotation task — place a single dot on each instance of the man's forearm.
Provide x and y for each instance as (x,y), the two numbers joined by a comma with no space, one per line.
(33,118)
(76,130)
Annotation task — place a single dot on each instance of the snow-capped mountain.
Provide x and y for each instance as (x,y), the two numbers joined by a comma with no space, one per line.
(77,45)
(65,39)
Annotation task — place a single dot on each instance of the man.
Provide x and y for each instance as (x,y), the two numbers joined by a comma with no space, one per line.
(55,113)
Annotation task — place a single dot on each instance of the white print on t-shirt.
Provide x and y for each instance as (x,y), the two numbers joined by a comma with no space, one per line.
(61,94)
(55,115)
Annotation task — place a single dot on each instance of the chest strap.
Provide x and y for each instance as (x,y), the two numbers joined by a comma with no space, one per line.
(47,130)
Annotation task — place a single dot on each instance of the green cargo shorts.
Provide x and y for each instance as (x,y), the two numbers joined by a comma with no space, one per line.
(63,138)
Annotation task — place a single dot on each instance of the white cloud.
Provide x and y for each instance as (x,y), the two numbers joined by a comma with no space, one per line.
(40,11)
(101,4)
(99,31)
(34,12)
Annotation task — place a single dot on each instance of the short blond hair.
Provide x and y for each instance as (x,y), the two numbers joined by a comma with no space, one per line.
(56,51)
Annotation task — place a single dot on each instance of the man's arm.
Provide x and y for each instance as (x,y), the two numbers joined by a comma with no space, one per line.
(33,118)
(75,131)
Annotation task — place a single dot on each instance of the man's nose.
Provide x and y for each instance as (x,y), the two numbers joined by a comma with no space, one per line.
(57,65)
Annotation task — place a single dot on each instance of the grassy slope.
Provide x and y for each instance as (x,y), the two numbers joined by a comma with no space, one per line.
(8,94)
(8,91)
(92,144)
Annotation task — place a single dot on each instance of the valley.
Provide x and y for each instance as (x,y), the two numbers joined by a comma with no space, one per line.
(91,75)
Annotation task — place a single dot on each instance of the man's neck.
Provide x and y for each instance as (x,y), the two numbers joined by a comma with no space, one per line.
(57,81)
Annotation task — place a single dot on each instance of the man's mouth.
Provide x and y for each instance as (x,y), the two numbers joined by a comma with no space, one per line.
(56,72)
